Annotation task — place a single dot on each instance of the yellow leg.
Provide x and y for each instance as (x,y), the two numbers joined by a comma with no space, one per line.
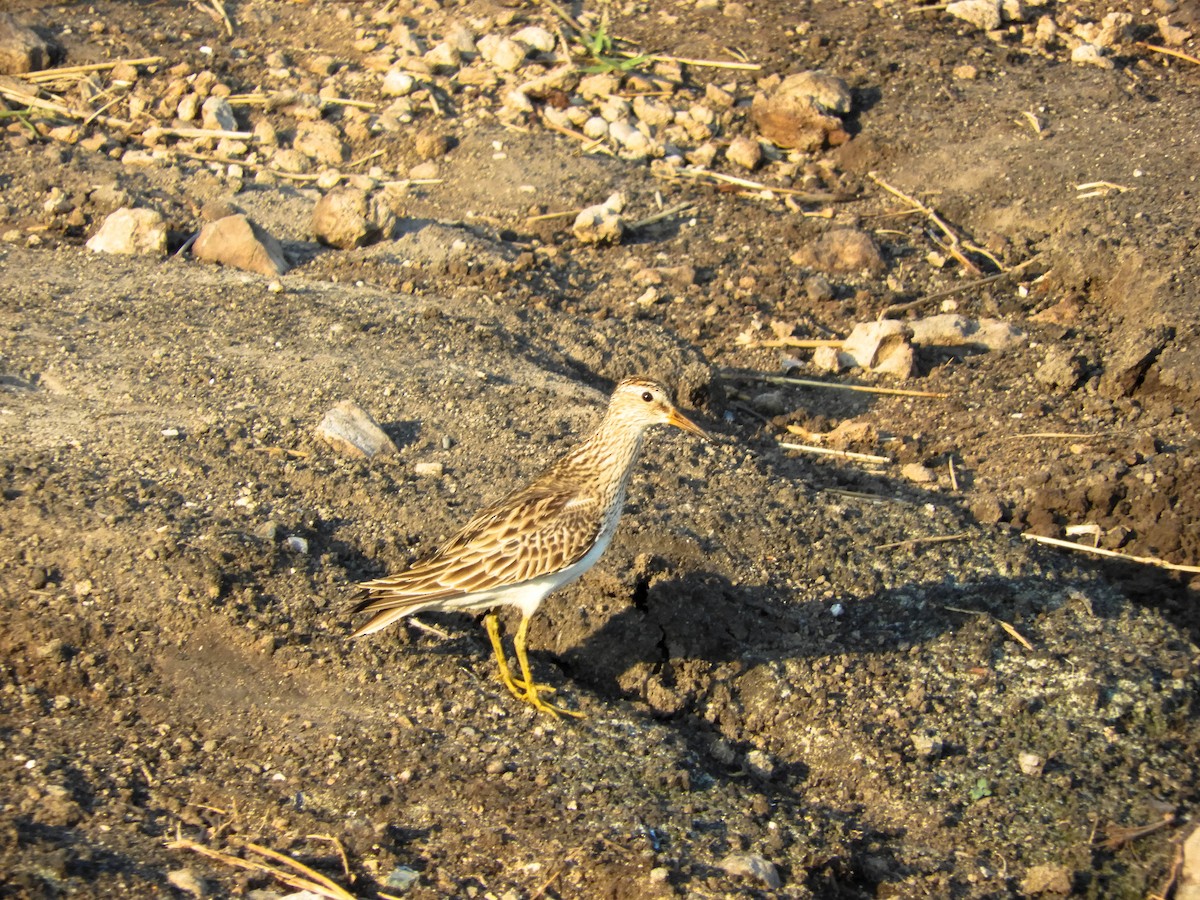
(492,624)
(531,688)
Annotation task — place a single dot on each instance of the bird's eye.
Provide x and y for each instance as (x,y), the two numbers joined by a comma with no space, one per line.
(647,396)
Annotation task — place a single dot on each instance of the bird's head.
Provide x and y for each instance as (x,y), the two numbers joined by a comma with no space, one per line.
(648,402)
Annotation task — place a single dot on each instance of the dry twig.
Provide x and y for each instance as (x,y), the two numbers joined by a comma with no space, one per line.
(660,215)
(1112,554)
(1117,836)
(49,75)
(804,382)
(954,245)
(840,454)
(802,196)
(1175,53)
(957,289)
(308,880)
(1008,629)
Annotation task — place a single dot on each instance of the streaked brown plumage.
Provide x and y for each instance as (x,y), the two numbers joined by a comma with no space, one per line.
(537,539)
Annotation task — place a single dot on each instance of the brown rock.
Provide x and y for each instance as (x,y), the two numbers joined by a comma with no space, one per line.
(1048,878)
(349,217)
(841,251)
(350,430)
(745,152)
(239,242)
(432,144)
(21,48)
(320,141)
(1125,369)
(802,113)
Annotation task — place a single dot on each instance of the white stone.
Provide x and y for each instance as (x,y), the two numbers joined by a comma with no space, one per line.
(503,53)
(595,128)
(535,38)
(131,232)
(1090,55)
(601,223)
(217,115)
(983,14)
(652,111)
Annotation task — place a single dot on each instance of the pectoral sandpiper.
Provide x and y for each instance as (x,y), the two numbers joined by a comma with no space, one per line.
(537,539)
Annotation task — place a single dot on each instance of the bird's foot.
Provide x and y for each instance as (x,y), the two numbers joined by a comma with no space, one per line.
(532,695)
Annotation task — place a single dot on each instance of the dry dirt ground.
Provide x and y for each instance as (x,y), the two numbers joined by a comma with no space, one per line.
(771,664)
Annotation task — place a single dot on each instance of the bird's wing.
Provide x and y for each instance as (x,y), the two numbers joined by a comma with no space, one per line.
(538,530)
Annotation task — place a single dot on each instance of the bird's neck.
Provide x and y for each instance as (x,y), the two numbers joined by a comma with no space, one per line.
(610,453)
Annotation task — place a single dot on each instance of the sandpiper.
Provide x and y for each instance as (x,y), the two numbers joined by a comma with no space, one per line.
(537,539)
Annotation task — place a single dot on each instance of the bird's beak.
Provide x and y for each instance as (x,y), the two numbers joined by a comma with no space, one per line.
(679,420)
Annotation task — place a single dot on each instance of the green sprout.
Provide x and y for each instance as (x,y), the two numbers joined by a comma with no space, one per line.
(982,788)
(599,47)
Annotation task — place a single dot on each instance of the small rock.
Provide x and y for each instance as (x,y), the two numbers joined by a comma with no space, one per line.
(21,49)
(952,330)
(502,52)
(1090,55)
(879,346)
(745,152)
(429,469)
(596,128)
(632,141)
(350,430)
(188,881)
(841,251)
(802,112)
(987,510)
(1048,878)
(660,875)
(444,56)
(241,243)
(983,14)
(1062,370)
(927,745)
(189,107)
(918,474)
(535,38)
(818,288)
(321,141)
(1172,35)
(1127,365)
(599,86)
(601,223)
(770,403)
(652,111)
(217,115)
(402,878)
(751,865)
(1031,764)
(132,232)
(397,83)
(827,359)
(760,765)
(432,144)
(267,531)
(348,217)
(496,767)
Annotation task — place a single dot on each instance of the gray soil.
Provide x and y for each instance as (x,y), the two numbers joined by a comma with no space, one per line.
(771,662)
